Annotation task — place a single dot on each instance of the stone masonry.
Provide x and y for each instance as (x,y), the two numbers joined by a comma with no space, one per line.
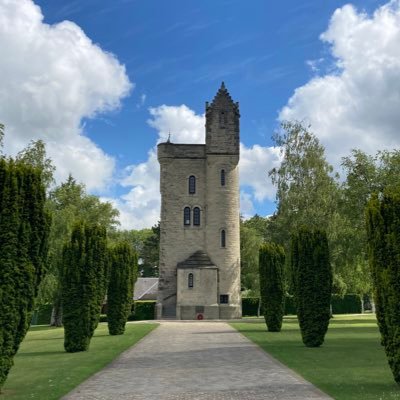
(200,260)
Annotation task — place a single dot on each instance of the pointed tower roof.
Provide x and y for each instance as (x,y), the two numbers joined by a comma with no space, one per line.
(223,99)
(199,259)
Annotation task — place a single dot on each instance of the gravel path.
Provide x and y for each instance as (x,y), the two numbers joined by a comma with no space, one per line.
(196,361)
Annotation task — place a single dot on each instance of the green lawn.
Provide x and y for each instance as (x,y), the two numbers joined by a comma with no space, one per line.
(44,371)
(350,365)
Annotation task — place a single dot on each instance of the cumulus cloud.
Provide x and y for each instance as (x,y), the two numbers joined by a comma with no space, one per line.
(51,77)
(357,105)
(140,206)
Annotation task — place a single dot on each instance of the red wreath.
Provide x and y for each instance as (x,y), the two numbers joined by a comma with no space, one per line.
(200,316)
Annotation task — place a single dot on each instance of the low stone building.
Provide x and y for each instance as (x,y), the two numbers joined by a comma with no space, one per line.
(199,228)
(146,289)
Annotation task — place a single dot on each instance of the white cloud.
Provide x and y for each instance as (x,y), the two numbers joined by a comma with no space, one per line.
(51,77)
(140,207)
(357,105)
(184,125)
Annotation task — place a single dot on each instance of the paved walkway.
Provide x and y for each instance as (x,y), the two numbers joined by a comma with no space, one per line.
(196,361)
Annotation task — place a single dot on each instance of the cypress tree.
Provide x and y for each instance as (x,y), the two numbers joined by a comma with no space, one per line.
(383,232)
(312,281)
(24,230)
(272,293)
(83,281)
(123,273)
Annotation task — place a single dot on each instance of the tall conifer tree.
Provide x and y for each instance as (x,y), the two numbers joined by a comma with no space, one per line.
(24,229)
(383,231)
(123,274)
(83,284)
(312,281)
(271,264)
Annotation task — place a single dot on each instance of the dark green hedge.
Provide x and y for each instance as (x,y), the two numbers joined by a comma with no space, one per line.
(312,284)
(349,304)
(144,310)
(383,232)
(250,306)
(272,293)
(24,230)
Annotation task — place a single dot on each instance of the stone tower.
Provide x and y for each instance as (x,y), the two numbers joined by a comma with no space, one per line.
(199,238)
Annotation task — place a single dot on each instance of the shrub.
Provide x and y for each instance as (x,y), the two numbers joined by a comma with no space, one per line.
(24,230)
(123,274)
(144,309)
(312,278)
(383,232)
(250,306)
(83,284)
(348,304)
(271,264)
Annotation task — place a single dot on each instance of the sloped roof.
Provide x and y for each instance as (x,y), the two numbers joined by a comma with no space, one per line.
(199,259)
(223,99)
(146,289)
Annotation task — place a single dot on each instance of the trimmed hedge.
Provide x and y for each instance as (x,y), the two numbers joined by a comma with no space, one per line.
(83,284)
(24,231)
(383,233)
(312,279)
(250,306)
(272,293)
(349,304)
(144,310)
(123,274)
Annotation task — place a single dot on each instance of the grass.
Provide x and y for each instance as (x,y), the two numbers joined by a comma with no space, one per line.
(350,365)
(43,370)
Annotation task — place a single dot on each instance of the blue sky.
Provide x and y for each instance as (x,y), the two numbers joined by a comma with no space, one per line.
(168,58)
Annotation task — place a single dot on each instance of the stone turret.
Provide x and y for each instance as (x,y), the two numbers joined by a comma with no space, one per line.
(199,235)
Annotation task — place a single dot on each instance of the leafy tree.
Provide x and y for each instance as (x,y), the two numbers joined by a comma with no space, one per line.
(383,228)
(70,203)
(150,253)
(272,291)
(83,284)
(24,228)
(123,274)
(312,282)
(250,241)
(35,154)
(307,188)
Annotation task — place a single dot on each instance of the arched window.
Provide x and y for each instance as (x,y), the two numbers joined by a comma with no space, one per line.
(196,216)
(186,216)
(222,119)
(223,238)
(192,184)
(190,280)
(222,177)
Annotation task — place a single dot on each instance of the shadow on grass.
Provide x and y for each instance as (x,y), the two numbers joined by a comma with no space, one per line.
(41,353)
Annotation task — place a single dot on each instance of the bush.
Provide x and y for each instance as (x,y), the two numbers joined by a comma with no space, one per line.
(123,274)
(271,264)
(144,310)
(312,279)
(349,304)
(24,230)
(83,284)
(383,232)
(250,306)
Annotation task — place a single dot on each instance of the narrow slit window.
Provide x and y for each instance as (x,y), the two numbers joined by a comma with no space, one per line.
(186,216)
(222,177)
(190,281)
(196,216)
(223,238)
(192,184)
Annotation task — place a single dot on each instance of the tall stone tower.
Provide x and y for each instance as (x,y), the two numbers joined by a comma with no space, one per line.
(200,232)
